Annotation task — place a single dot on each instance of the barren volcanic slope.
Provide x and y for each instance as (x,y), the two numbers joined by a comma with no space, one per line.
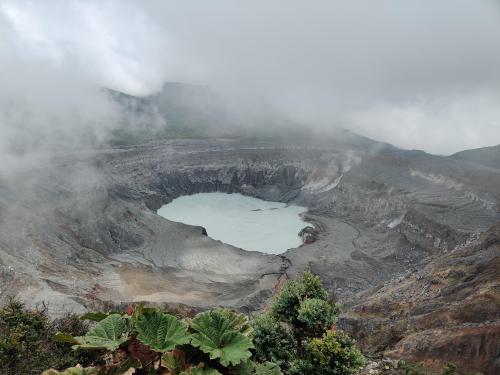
(80,230)
(487,156)
(448,311)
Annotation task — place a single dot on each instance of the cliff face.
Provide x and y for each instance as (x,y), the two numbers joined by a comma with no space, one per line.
(448,311)
(80,230)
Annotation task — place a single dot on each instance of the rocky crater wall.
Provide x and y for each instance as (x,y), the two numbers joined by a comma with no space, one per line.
(93,227)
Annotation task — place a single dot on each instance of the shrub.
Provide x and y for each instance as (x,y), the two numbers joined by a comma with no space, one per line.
(409,368)
(412,369)
(287,302)
(333,354)
(27,345)
(316,315)
(296,333)
(449,369)
(273,340)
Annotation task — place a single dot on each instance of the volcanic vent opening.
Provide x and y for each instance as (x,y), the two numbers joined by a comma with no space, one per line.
(242,221)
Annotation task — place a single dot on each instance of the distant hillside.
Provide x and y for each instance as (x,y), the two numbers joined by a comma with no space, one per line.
(179,110)
(487,156)
(182,110)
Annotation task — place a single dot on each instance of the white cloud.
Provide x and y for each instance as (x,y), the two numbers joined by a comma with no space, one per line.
(441,126)
(419,74)
(115,42)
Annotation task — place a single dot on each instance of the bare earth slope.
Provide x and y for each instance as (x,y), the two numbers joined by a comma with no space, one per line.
(448,311)
(487,156)
(80,230)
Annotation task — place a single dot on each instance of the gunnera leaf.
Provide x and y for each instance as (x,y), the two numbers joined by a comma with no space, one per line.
(215,337)
(170,361)
(64,337)
(201,371)
(237,322)
(109,334)
(77,370)
(244,368)
(161,332)
(267,368)
(94,316)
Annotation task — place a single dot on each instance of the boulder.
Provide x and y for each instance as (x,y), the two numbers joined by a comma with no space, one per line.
(309,235)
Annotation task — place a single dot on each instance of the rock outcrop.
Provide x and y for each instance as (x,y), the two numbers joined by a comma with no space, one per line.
(309,235)
(447,311)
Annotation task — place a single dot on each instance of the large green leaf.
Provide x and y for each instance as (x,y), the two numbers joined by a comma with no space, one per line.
(201,371)
(78,370)
(94,316)
(267,368)
(237,322)
(244,368)
(215,337)
(65,337)
(114,369)
(139,310)
(170,361)
(161,332)
(109,334)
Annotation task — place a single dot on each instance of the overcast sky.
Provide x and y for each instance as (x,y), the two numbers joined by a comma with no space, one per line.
(419,74)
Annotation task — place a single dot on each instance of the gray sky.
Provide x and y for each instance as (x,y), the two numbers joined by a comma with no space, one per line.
(419,74)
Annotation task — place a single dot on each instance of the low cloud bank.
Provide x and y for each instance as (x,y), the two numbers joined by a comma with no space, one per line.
(420,75)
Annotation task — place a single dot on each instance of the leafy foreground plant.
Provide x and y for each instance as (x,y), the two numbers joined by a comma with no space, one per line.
(298,332)
(152,342)
(295,337)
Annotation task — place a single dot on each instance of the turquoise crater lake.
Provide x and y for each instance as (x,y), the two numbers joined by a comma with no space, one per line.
(245,222)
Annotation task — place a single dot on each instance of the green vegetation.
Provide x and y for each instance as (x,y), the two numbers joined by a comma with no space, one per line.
(297,332)
(405,368)
(27,345)
(295,336)
(153,342)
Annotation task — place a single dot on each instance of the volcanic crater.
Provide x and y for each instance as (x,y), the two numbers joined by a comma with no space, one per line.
(91,237)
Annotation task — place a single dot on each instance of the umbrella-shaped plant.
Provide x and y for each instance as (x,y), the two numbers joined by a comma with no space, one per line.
(148,341)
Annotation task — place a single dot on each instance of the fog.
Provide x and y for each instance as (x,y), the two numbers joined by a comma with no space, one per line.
(417,74)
